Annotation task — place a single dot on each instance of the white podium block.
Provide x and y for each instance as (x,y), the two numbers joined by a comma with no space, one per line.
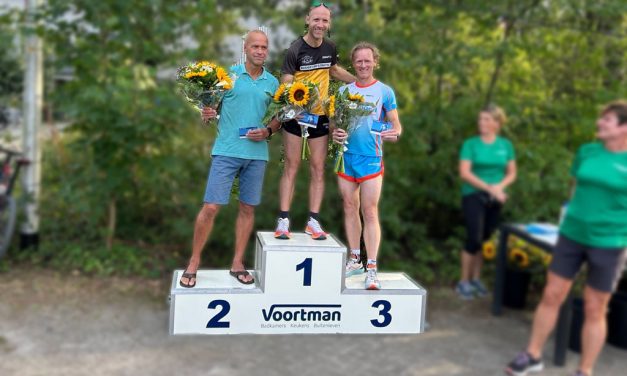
(300,288)
(299,265)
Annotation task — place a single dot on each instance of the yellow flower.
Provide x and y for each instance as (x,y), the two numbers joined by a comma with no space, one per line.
(228,85)
(520,257)
(279,93)
(489,251)
(331,106)
(221,74)
(201,74)
(299,94)
(189,75)
(356,97)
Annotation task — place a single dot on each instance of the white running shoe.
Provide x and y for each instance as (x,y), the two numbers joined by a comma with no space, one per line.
(372,282)
(282,229)
(354,267)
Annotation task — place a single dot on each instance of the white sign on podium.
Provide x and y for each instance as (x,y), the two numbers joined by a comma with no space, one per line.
(299,288)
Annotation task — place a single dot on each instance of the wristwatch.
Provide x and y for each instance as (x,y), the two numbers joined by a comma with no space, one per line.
(269,133)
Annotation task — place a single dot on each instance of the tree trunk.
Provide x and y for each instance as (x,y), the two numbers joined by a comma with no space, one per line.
(500,54)
(498,63)
(112,223)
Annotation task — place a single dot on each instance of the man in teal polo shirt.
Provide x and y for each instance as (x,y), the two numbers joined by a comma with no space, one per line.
(233,155)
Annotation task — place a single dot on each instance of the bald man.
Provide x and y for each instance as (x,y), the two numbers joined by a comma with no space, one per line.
(240,149)
(311,57)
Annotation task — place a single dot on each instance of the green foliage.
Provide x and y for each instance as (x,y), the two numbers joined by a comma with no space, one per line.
(11,71)
(136,144)
(127,124)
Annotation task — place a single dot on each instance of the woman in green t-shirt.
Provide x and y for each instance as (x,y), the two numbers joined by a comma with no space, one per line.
(487,167)
(594,231)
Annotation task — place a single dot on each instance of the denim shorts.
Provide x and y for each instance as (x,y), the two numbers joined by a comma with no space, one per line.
(222,174)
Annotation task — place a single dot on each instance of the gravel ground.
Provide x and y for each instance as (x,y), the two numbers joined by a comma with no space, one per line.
(53,324)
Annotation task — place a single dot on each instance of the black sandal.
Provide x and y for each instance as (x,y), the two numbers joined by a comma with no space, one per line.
(240,273)
(189,277)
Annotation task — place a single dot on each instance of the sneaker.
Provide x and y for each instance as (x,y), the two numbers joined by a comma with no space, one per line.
(372,282)
(354,267)
(465,290)
(282,229)
(315,230)
(480,289)
(522,364)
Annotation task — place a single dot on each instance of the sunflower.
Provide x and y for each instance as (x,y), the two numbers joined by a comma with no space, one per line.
(194,74)
(489,251)
(279,93)
(331,106)
(228,85)
(205,64)
(221,74)
(299,94)
(356,97)
(520,257)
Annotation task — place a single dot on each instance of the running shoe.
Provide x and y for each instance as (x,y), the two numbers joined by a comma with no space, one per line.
(372,282)
(522,364)
(282,229)
(354,266)
(315,230)
(465,290)
(480,289)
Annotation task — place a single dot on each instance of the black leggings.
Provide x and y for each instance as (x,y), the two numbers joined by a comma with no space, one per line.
(481,216)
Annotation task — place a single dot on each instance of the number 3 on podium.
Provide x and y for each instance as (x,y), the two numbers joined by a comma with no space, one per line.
(383,312)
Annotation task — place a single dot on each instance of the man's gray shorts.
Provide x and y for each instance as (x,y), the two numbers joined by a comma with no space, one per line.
(605,265)
(222,173)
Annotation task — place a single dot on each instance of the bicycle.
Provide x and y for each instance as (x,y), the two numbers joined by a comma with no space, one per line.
(8,212)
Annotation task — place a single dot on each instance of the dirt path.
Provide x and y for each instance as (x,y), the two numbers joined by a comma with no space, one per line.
(52,324)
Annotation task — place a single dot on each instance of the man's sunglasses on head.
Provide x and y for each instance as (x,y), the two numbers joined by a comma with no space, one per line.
(315,4)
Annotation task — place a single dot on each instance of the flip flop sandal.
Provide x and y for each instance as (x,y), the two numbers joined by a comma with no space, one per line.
(189,277)
(244,273)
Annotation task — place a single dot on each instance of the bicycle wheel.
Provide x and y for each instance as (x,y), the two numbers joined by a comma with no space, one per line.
(7,222)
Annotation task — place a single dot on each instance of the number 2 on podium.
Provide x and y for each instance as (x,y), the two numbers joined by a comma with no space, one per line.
(306,265)
(215,320)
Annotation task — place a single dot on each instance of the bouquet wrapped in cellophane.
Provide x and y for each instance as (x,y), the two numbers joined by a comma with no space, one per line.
(204,84)
(291,100)
(345,109)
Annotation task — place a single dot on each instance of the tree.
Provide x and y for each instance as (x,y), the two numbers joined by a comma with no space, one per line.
(124,119)
(11,72)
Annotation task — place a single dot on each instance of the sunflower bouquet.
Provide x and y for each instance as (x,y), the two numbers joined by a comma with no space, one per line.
(524,256)
(291,100)
(345,109)
(204,83)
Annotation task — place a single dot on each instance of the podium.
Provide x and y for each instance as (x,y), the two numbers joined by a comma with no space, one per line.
(299,288)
